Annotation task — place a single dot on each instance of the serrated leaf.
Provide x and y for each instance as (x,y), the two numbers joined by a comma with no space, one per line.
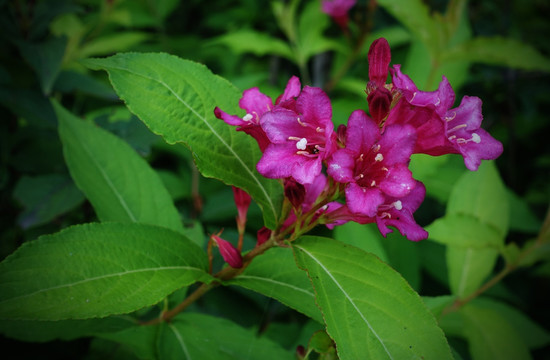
(274,274)
(498,51)
(199,336)
(120,185)
(176,99)
(96,270)
(369,309)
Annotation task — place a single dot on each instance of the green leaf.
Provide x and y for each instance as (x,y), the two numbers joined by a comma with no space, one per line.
(394,250)
(415,15)
(365,237)
(522,218)
(498,51)
(369,309)
(199,336)
(45,58)
(250,41)
(120,185)
(176,99)
(112,43)
(468,268)
(274,274)
(490,336)
(532,334)
(312,23)
(95,270)
(464,231)
(482,195)
(45,197)
(140,339)
(43,331)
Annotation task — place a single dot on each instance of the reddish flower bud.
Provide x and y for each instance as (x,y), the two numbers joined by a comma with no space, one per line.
(295,192)
(242,201)
(230,254)
(379,61)
(263,235)
(341,134)
(379,104)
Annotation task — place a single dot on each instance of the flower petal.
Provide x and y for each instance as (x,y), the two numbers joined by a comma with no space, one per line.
(341,165)
(364,201)
(255,103)
(397,143)
(399,181)
(314,105)
(362,132)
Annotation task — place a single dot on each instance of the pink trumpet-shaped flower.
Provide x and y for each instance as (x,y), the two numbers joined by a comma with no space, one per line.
(374,165)
(255,103)
(301,136)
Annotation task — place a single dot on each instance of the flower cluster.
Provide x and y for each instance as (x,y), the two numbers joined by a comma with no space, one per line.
(361,171)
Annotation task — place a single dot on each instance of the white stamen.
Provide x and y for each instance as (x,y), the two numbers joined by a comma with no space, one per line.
(461,126)
(398,205)
(301,145)
(376,147)
(476,138)
(373,183)
(247,117)
(449,118)
(319,130)
(379,157)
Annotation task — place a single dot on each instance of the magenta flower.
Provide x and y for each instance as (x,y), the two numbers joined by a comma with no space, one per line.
(338,10)
(301,135)
(440,129)
(392,212)
(230,254)
(453,131)
(374,165)
(256,104)
(399,214)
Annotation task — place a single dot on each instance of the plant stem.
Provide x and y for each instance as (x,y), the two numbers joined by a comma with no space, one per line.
(223,275)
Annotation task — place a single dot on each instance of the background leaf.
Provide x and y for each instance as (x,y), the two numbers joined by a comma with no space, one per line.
(120,185)
(95,270)
(499,51)
(274,274)
(369,309)
(200,336)
(176,99)
(45,197)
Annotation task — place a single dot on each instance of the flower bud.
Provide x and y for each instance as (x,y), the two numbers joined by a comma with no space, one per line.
(230,254)
(295,192)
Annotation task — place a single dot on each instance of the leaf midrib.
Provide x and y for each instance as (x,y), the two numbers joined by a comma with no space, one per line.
(243,164)
(348,298)
(110,184)
(106,276)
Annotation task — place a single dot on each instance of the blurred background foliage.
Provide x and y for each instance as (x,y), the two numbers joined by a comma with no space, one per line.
(497,50)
